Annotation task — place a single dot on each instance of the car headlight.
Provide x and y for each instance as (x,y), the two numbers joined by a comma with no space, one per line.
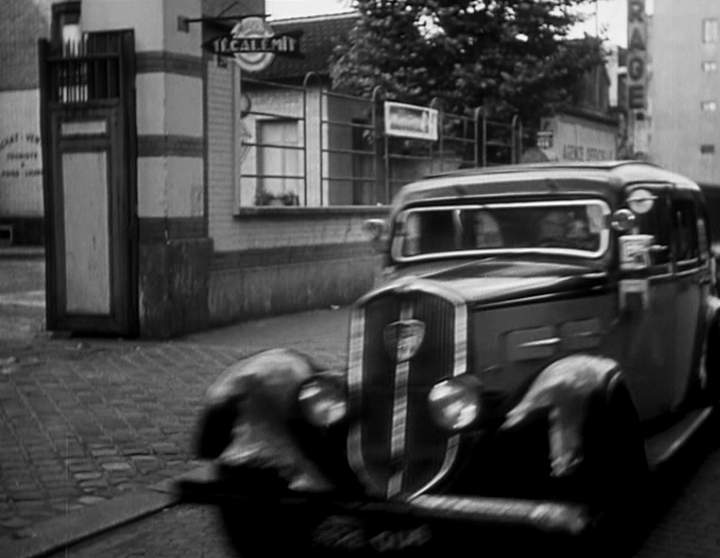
(323,401)
(455,403)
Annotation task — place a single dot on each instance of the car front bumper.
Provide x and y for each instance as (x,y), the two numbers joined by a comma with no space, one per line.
(543,516)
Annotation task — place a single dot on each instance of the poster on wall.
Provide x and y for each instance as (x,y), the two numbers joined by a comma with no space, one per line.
(411,121)
(20,173)
(20,154)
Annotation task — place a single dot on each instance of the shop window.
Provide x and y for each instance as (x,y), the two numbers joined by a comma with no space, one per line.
(279,165)
(710,30)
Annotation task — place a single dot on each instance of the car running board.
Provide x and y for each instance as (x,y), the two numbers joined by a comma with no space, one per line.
(663,445)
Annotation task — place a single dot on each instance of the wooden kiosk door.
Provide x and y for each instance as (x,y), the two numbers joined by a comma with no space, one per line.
(89,188)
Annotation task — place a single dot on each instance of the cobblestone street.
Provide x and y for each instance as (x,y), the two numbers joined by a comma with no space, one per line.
(85,420)
(684,522)
(85,425)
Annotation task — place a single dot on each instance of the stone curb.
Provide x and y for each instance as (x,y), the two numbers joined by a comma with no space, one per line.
(60,532)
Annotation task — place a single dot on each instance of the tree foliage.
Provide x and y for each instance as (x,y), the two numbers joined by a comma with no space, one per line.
(513,56)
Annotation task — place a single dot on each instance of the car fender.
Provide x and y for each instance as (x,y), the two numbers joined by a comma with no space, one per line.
(248,416)
(565,390)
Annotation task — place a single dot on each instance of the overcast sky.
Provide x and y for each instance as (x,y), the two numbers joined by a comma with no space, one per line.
(611,14)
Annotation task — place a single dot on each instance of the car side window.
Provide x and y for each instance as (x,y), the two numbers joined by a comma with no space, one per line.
(703,232)
(686,231)
(702,238)
(655,221)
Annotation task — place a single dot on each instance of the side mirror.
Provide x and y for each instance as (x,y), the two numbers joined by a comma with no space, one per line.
(377,230)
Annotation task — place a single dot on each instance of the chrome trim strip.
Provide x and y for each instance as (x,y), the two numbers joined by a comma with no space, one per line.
(549,342)
(355,364)
(398,433)
(566,518)
(459,367)
(396,248)
(686,272)
(588,333)
(662,277)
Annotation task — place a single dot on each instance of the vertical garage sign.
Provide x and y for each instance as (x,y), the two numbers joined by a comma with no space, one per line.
(637,55)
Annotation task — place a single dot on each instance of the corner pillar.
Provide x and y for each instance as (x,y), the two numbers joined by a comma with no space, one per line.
(174,250)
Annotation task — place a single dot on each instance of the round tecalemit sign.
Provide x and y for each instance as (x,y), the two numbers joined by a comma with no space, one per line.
(251,31)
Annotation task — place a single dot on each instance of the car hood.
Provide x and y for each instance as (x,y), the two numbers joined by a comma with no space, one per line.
(497,280)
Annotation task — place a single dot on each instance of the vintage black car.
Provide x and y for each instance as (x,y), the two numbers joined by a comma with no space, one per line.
(541,337)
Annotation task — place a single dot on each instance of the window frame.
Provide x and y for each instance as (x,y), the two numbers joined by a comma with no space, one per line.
(396,245)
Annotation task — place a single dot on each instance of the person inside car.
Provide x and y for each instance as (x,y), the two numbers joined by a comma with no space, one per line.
(552,229)
(579,235)
(487,231)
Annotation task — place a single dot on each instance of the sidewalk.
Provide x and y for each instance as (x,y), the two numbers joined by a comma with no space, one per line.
(84,422)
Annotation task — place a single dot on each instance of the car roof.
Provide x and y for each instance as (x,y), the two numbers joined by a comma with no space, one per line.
(607,178)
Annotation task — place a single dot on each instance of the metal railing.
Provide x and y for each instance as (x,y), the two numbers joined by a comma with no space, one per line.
(310,146)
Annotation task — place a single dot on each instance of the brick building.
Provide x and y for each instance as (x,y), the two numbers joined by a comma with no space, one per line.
(683,93)
(684,88)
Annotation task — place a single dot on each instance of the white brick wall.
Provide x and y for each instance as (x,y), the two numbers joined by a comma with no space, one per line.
(220,164)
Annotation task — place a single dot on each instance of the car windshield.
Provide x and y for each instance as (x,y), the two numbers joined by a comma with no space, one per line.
(567,227)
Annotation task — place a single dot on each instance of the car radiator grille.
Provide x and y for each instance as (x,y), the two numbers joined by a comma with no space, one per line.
(394,446)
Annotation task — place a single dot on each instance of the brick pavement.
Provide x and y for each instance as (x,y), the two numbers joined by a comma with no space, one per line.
(81,423)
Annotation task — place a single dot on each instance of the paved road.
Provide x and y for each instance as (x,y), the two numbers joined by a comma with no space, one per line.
(684,524)
(682,520)
(83,421)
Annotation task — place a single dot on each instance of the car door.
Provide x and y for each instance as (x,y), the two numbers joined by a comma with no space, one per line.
(692,281)
(648,332)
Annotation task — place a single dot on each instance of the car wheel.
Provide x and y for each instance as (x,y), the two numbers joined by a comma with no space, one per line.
(260,529)
(615,472)
(252,519)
